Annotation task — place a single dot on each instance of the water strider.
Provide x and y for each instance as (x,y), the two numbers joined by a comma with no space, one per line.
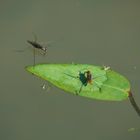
(85,78)
(88,76)
(38,46)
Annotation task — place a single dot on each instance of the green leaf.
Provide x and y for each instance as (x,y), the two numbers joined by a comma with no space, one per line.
(106,84)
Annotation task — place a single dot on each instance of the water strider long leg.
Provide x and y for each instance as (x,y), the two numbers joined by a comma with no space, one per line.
(77,93)
(81,88)
(84,81)
(34,56)
(35,36)
(76,77)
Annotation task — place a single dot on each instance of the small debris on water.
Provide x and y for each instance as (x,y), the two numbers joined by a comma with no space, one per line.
(44,86)
(106,68)
(132,129)
(135,67)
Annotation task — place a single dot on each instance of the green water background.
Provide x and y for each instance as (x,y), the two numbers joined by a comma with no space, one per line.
(84,31)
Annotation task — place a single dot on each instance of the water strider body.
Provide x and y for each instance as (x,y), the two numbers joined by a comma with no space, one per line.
(37,46)
(88,77)
(85,78)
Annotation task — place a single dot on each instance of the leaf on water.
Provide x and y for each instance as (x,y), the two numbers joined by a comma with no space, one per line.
(106,84)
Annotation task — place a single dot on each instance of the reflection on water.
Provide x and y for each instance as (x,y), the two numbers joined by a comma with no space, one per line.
(132,129)
(94,32)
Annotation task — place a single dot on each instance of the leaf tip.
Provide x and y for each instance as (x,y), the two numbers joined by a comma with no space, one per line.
(29,68)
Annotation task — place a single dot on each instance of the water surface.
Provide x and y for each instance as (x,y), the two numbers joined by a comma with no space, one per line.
(93,32)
